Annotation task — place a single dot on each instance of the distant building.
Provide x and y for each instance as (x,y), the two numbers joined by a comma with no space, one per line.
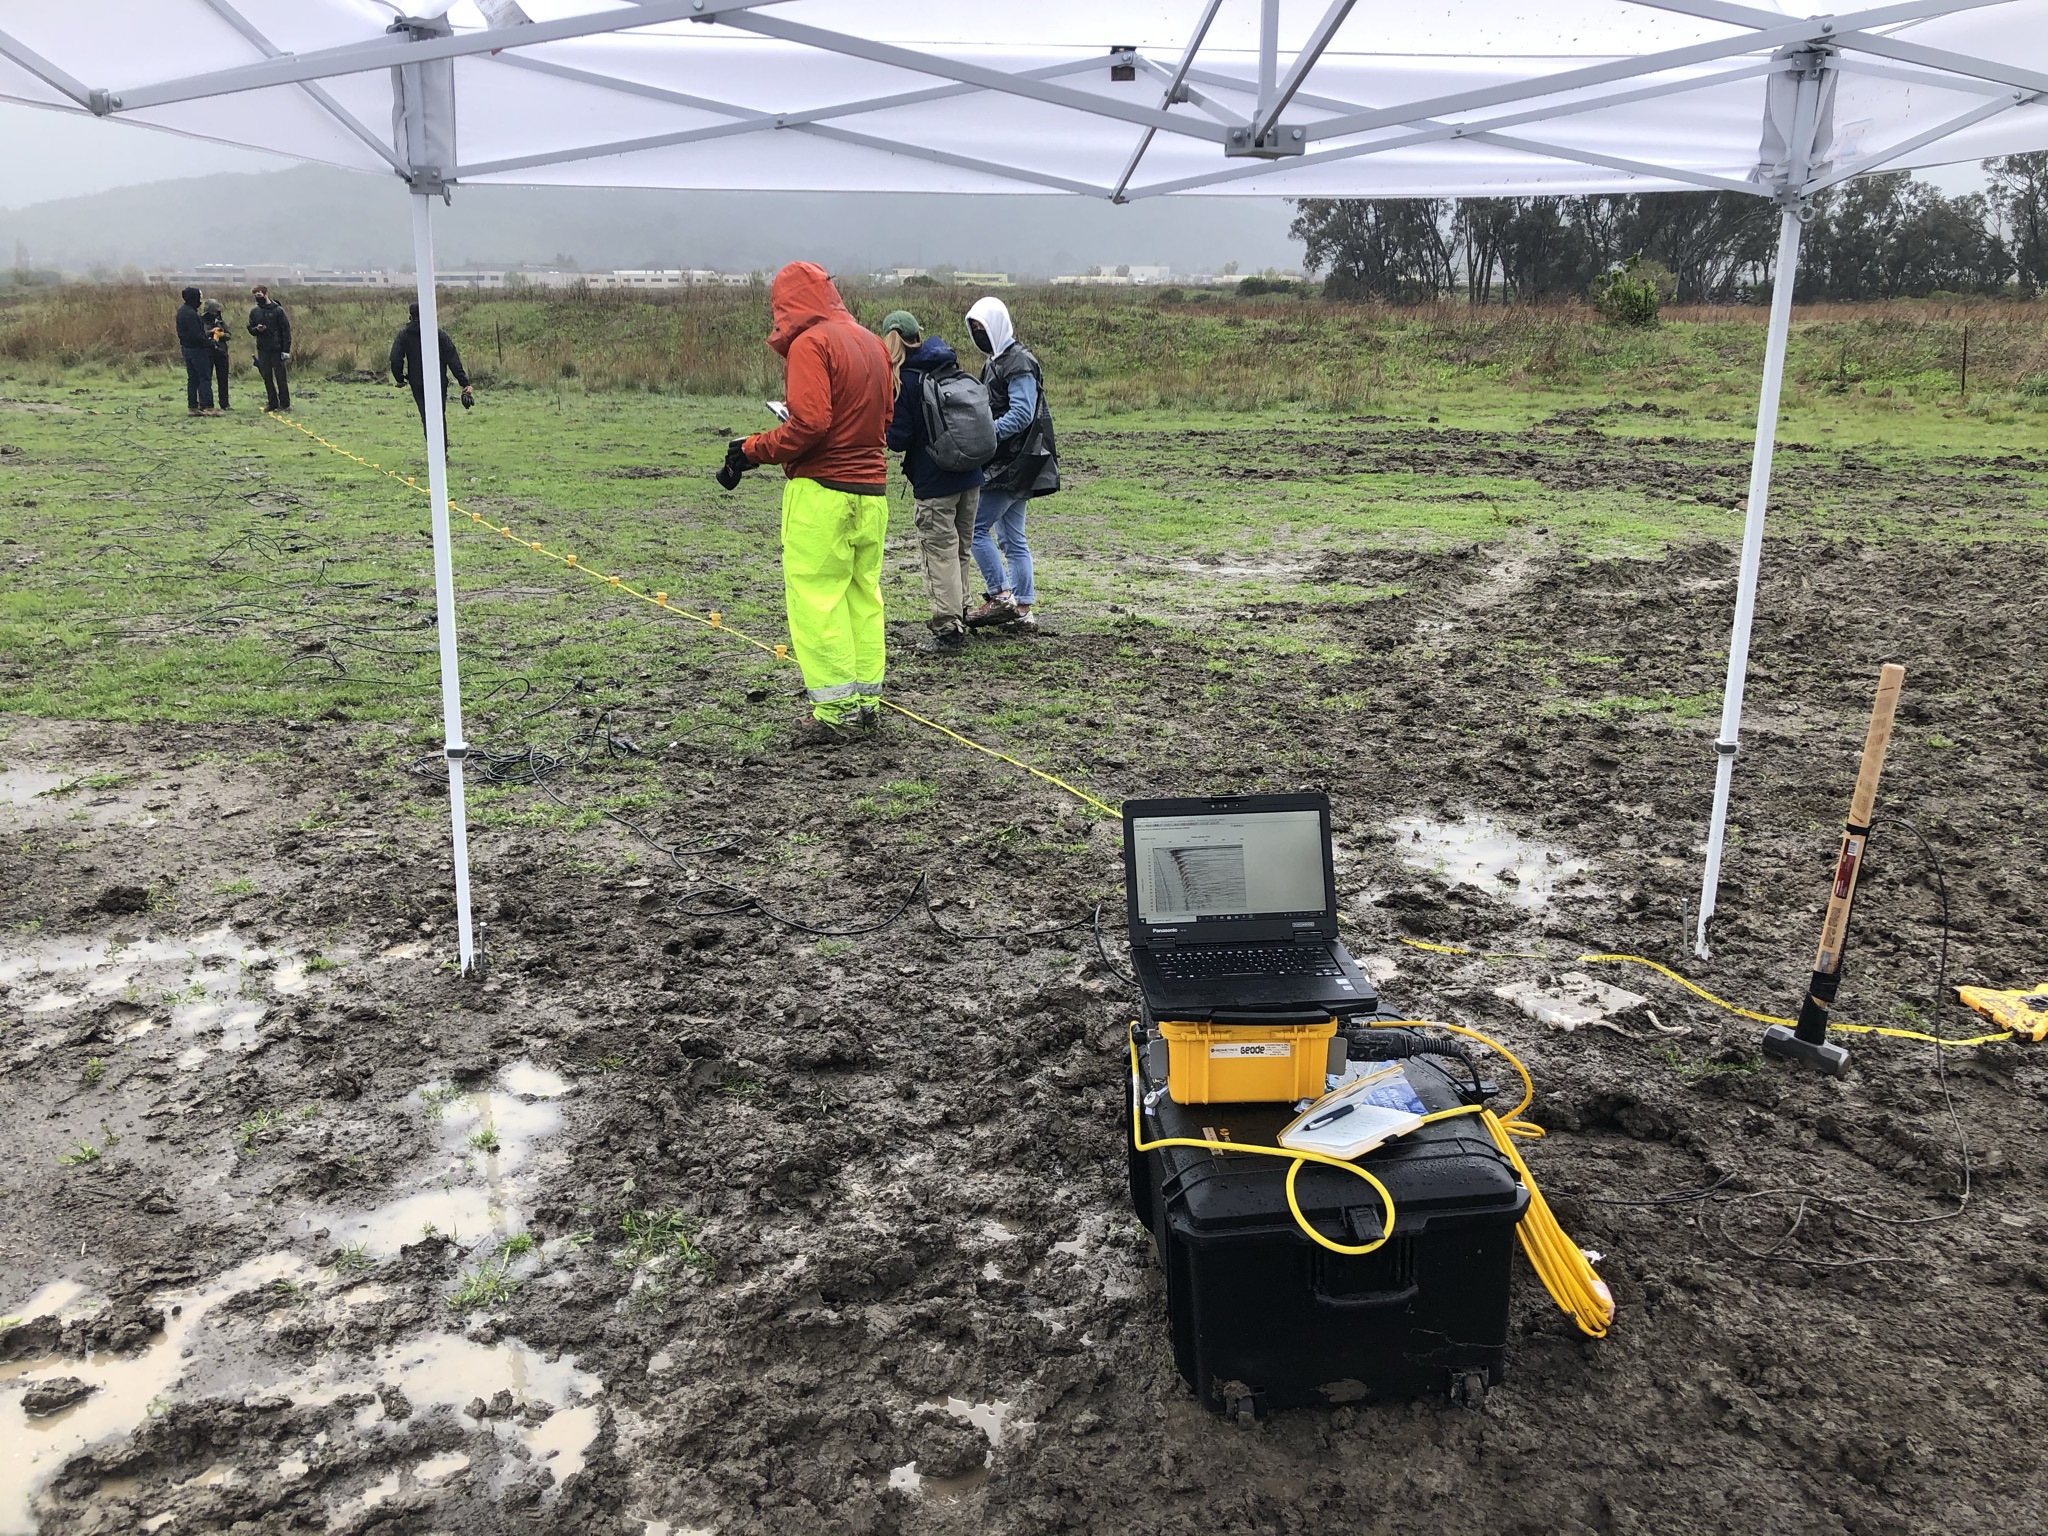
(982,279)
(1121,276)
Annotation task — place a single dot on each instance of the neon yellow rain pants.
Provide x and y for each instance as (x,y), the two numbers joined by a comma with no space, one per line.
(832,585)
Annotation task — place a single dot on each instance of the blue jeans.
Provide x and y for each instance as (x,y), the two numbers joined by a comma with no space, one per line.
(999,524)
(198,378)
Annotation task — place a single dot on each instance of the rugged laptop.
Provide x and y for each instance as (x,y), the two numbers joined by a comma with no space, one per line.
(1233,909)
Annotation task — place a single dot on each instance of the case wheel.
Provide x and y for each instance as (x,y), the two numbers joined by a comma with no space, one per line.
(1468,1390)
(1241,1404)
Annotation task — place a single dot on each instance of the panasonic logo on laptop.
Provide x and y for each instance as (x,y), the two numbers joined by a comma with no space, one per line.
(1309,924)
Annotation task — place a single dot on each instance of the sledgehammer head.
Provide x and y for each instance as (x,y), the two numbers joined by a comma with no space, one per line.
(1831,1059)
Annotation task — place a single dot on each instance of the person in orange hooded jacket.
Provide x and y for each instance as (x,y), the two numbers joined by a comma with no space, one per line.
(834,510)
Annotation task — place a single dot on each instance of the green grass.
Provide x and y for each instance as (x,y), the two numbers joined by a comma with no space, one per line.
(487,1284)
(262,1125)
(244,572)
(85,1152)
(1688,1070)
(661,1249)
(352,1259)
(435,1096)
(234,571)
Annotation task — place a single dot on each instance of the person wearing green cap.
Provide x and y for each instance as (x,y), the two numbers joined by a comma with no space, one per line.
(946,500)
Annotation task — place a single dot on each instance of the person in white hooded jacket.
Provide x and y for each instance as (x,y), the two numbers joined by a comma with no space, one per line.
(1026,466)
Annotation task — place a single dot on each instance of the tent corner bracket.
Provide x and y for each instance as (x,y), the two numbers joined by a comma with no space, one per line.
(1285,139)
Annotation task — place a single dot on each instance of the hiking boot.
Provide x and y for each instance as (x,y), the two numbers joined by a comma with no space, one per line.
(824,733)
(945,642)
(1000,608)
(1027,616)
(871,720)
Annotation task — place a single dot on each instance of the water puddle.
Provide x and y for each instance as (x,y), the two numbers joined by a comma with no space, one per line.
(486,1137)
(497,1128)
(1480,852)
(993,1420)
(122,1389)
(546,1406)
(215,983)
(59,1299)
(21,786)
(532,1082)
(437,1470)
(465,1215)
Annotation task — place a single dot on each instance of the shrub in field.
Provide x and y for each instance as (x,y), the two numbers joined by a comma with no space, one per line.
(1632,293)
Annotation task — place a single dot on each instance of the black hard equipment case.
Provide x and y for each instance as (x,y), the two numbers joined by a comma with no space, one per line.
(1262,1318)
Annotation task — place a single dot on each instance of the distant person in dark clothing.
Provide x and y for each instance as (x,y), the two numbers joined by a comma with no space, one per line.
(272,328)
(406,369)
(197,350)
(218,339)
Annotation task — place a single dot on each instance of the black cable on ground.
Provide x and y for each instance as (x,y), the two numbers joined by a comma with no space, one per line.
(1677,1197)
(1103,950)
(1810,1202)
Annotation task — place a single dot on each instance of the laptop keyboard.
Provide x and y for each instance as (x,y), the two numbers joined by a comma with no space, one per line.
(1210,961)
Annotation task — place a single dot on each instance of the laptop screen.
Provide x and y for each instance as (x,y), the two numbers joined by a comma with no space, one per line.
(1228,866)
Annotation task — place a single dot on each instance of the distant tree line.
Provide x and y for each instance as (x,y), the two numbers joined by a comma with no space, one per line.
(1876,237)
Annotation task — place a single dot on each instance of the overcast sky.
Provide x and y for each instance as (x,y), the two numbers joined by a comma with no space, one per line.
(58,155)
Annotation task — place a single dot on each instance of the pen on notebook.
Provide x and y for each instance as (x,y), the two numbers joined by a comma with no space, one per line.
(1331,1118)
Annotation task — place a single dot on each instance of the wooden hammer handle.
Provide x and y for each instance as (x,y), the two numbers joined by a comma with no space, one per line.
(1877,743)
(1834,930)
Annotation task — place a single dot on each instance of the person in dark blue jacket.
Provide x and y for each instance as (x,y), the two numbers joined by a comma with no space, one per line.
(195,346)
(946,501)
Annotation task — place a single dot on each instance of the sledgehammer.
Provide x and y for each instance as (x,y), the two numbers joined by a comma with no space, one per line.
(1808,1042)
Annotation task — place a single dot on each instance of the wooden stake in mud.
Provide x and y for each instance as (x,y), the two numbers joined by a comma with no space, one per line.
(1809,1041)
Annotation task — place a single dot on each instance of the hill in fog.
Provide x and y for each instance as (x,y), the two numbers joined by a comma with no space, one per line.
(315,216)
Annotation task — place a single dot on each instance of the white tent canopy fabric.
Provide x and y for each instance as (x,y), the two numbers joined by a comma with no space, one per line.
(1114,99)
(1452,97)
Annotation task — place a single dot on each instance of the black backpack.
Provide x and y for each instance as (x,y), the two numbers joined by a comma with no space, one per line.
(959,432)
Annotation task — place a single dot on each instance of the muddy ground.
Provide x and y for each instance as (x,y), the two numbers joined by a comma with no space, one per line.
(881,1274)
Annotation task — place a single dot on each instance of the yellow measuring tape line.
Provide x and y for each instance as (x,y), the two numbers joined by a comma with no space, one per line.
(711,619)
(1698,991)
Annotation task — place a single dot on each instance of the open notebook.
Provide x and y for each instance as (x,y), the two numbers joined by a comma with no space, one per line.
(1357,1115)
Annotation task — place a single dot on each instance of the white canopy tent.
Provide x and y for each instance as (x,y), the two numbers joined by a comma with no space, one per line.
(1115,99)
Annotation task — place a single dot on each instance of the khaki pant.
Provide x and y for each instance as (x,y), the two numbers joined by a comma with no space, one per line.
(945,535)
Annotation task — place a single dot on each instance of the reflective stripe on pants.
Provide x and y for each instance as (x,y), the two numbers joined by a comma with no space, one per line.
(832,587)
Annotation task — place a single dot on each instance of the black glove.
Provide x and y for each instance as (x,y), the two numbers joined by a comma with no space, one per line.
(736,464)
(468,398)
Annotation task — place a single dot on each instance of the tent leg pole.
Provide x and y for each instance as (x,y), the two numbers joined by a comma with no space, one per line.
(1787,273)
(1269,56)
(444,566)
